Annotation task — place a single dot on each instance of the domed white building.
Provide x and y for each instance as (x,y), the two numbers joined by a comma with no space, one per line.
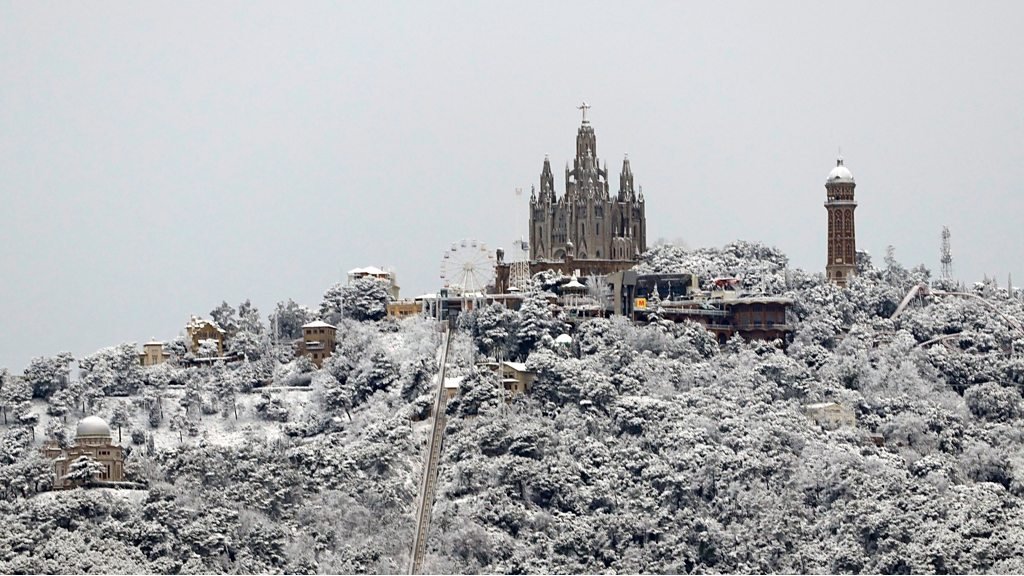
(92,439)
(840,173)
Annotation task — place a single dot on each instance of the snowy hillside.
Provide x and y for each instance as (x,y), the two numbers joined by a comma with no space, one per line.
(641,448)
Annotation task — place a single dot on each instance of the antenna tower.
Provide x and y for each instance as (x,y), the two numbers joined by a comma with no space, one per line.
(519,269)
(947,257)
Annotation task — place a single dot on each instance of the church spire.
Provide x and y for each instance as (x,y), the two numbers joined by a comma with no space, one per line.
(547,181)
(586,141)
(626,181)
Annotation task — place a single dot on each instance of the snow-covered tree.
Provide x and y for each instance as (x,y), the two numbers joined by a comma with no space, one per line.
(208,348)
(113,371)
(120,417)
(249,319)
(536,323)
(226,317)
(493,328)
(249,345)
(271,407)
(84,470)
(47,375)
(288,319)
(366,299)
(13,392)
(332,306)
(58,433)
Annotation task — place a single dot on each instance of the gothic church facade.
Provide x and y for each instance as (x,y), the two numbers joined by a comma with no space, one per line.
(587,222)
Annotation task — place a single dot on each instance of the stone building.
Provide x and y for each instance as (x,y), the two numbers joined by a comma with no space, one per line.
(92,439)
(831,414)
(153,353)
(405,308)
(515,377)
(199,330)
(318,341)
(842,237)
(587,222)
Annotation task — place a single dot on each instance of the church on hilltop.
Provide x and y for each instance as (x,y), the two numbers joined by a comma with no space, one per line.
(587,222)
(588,230)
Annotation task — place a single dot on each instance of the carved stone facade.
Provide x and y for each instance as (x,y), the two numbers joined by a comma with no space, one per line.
(587,223)
(842,237)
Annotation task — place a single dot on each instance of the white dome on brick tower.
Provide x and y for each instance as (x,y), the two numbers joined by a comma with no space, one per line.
(93,426)
(840,173)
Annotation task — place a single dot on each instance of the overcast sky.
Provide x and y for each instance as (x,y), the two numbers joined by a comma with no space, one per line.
(156,159)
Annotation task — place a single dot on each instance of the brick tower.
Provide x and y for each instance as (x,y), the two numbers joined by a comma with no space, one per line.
(842,238)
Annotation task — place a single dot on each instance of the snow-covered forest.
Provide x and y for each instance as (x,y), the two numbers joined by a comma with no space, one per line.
(641,448)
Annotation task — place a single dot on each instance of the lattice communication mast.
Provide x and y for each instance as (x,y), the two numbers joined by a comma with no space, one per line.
(946,257)
(519,266)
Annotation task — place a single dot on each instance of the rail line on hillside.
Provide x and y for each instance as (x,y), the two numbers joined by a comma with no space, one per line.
(428,484)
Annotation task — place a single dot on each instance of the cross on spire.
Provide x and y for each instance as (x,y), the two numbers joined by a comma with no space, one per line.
(584,107)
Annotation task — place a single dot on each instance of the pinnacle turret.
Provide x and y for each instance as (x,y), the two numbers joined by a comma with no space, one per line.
(626,181)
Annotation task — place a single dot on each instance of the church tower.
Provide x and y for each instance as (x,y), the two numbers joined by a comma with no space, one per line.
(587,222)
(842,238)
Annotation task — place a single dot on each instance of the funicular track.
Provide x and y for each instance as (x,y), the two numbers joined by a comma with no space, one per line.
(428,484)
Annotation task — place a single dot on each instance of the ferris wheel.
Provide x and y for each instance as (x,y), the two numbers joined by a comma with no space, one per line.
(467,267)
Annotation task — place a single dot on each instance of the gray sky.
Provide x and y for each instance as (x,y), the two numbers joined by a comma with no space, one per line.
(156,159)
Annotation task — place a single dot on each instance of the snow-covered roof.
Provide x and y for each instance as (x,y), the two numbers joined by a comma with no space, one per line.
(369,270)
(453,382)
(196,323)
(574,283)
(760,300)
(840,173)
(563,339)
(517,366)
(92,426)
(319,324)
(821,405)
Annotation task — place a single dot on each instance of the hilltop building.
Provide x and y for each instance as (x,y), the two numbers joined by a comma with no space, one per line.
(831,414)
(405,308)
(92,439)
(200,329)
(842,237)
(319,340)
(153,353)
(587,230)
(587,222)
(724,310)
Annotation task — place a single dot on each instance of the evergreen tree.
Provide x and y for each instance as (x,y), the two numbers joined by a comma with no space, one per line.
(366,299)
(536,323)
(47,375)
(84,470)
